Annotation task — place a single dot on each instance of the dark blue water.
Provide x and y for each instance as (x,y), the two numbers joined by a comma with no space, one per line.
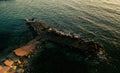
(97,20)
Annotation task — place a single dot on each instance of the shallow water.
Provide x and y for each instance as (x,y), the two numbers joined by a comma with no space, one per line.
(93,19)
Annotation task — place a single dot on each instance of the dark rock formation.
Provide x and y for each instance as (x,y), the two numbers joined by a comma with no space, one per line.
(87,48)
(53,51)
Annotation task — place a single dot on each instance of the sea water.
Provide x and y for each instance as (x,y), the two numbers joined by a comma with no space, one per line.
(97,20)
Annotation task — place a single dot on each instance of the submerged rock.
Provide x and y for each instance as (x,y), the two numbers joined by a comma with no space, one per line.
(9,63)
(1,68)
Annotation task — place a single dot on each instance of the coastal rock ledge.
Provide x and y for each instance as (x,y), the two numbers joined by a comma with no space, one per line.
(19,59)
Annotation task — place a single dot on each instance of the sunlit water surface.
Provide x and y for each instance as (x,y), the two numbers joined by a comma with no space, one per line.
(97,20)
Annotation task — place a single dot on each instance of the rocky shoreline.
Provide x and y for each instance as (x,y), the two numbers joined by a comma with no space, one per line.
(18,61)
(89,48)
